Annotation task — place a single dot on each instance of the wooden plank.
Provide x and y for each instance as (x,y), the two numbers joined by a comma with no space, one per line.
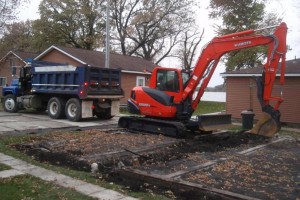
(253,149)
(179,185)
(193,168)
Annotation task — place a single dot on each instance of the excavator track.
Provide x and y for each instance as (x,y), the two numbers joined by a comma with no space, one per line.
(158,126)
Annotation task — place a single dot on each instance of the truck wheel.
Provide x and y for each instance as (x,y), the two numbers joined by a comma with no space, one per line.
(73,110)
(10,103)
(56,107)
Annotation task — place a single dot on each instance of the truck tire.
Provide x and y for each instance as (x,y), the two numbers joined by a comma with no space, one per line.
(10,104)
(56,107)
(73,109)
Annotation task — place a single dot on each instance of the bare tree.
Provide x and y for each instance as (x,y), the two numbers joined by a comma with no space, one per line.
(150,28)
(189,45)
(79,23)
(250,14)
(8,12)
(18,36)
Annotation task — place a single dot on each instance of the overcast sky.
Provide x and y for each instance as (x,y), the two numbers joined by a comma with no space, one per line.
(288,9)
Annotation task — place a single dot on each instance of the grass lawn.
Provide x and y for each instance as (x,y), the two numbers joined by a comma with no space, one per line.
(4,167)
(28,187)
(205,107)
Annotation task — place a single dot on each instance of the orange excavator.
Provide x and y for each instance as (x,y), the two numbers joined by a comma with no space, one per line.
(167,105)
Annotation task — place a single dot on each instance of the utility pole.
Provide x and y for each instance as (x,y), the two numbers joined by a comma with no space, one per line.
(107,50)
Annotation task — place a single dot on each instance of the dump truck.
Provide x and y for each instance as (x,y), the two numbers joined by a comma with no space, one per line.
(64,90)
(167,105)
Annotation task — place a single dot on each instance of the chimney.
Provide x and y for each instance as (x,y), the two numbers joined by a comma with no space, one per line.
(295,60)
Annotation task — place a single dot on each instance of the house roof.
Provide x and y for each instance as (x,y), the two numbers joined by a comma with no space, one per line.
(23,56)
(97,59)
(292,68)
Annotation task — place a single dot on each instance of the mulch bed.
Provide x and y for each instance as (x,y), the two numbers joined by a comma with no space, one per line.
(80,149)
(271,172)
(199,151)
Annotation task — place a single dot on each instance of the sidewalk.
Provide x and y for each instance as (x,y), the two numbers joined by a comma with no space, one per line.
(20,167)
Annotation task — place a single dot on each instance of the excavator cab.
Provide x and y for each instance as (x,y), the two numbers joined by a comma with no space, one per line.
(167,80)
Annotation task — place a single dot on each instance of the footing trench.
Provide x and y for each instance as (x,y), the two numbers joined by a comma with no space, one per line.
(224,165)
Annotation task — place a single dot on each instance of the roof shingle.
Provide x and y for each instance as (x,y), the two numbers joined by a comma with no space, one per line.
(97,59)
(21,55)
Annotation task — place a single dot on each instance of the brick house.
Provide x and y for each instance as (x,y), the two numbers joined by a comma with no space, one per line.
(241,92)
(10,65)
(132,68)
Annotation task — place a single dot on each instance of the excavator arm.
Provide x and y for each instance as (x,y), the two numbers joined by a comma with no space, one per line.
(212,53)
(210,58)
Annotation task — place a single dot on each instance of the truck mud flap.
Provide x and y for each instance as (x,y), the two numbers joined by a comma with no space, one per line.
(168,128)
(211,122)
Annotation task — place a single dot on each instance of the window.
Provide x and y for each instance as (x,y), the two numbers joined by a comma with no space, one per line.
(2,81)
(185,78)
(12,62)
(140,81)
(13,66)
(14,70)
(167,80)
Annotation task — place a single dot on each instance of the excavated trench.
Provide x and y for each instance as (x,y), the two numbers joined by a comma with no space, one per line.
(225,165)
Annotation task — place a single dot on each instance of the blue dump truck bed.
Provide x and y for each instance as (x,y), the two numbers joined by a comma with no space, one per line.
(84,81)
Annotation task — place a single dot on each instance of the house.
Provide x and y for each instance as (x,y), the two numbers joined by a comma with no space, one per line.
(134,70)
(10,65)
(241,93)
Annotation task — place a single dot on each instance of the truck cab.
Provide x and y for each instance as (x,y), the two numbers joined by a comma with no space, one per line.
(13,88)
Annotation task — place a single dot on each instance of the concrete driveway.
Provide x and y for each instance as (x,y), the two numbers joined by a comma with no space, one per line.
(24,123)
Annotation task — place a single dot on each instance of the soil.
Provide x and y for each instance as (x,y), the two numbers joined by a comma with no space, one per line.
(199,151)
(269,173)
(218,161)
(80,149)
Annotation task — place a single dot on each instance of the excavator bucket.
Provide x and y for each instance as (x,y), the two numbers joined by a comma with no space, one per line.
(211,122)
(266,126)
